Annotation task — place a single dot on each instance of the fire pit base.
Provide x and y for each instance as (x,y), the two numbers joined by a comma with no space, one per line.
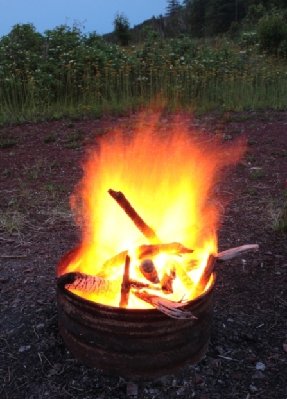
(135,344)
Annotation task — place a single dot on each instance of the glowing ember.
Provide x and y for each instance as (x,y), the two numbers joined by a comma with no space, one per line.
(169,178)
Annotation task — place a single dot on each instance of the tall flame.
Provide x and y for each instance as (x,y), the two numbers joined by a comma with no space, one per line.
(169,176)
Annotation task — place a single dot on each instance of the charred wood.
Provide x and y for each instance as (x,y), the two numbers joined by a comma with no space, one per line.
(125,287)
(237,251)
(173,248)
(146,230)
(148,270)
(83,282)
(207,271)
(170,308)
(167,282)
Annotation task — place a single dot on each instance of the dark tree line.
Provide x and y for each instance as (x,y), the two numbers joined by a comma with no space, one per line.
(212,17)
(197,18)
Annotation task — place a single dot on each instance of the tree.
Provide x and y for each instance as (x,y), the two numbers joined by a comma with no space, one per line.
(195,17)
(122,29)
(174,20)
(23,45)
(219,15)
(173,8)
(272,32)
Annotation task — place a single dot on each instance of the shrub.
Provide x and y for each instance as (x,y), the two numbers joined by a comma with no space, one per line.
(282,50)
(272,31)
(249,38)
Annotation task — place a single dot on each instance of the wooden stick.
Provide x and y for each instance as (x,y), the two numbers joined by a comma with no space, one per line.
(125,288)
(173,248)
(170,308)
(234,252)
(148,270)
(147,231)
(207,271)
(84,282)
(200,286)
(93,284)
(139,285)
(167,281)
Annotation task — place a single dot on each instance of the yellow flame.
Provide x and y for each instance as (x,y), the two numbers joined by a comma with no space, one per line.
(169,178)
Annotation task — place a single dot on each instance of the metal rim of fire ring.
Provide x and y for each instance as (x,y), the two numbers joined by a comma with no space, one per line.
(140,344)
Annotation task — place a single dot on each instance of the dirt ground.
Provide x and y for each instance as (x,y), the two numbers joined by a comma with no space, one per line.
(247,357)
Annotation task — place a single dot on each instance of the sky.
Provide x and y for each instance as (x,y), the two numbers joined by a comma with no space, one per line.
(89,15)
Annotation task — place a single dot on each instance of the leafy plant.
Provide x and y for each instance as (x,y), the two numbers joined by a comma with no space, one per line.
(272,31)
(278,215)
(66,73)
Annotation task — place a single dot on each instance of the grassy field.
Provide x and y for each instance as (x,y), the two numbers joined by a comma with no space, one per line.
(64,73)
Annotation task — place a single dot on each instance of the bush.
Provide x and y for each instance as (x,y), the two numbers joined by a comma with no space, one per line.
(272,31)
(282,50)
(249,38)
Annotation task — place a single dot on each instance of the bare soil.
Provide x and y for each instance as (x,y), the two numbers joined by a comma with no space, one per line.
(247,357)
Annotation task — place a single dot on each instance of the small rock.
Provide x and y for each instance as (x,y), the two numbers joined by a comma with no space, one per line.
(24,348)
(285,347)
(40,325)
(252,388)
(260,366)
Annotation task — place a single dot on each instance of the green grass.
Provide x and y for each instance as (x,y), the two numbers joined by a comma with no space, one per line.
(278,216)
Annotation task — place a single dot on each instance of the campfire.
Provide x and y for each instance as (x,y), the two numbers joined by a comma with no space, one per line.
(149,213)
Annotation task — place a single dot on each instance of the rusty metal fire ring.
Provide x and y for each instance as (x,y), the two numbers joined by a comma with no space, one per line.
(133,343)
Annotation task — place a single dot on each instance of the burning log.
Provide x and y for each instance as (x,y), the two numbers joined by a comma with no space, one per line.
(167,282)
(207,271)
(170,308)
(234,252)
(83,282)
(222,257)
(204,279)
(94,284)
(148,270)
(125,287)
(147,231)
(143,251)
(139,285)
(173,248)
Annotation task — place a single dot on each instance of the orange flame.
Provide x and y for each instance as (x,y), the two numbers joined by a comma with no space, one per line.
(169,177)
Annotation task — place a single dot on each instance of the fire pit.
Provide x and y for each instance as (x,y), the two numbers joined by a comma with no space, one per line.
(133,343)
(136,300)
